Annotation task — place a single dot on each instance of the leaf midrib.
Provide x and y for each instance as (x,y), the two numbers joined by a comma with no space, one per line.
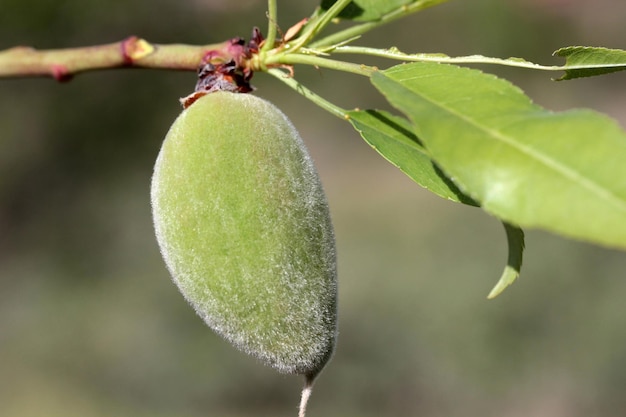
(548,162)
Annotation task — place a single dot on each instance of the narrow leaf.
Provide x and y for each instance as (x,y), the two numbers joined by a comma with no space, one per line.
(369,10)
(562,172)
(580,61)
(584,61)
(364,10)
(515,241)
(393,138)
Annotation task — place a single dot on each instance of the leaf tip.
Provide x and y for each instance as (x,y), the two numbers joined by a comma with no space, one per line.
(507,279)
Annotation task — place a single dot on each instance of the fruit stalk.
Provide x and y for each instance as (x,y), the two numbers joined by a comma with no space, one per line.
(307,390)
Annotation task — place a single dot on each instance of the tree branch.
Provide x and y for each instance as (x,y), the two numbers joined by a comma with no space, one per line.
(133,52)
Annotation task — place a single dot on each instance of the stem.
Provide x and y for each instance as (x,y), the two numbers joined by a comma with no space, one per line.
(132,52)
(319,24)
(290,59)
(304,91)
(272,17)
(362,28)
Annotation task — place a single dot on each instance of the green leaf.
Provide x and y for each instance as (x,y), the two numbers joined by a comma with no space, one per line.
(515,241)
(583,61)
(562,172)
(393,138)
(368,10)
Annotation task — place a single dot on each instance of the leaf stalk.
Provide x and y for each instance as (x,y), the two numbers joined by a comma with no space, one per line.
(307,93)
(272,22)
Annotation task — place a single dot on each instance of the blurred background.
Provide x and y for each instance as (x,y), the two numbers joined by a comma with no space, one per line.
(91,325)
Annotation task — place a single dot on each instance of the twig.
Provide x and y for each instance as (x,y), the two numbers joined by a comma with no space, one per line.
(133,52)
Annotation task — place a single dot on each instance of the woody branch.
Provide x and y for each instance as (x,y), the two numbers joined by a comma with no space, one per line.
(133,52)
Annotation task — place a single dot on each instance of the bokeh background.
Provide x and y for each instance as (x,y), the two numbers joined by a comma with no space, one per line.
(91,325)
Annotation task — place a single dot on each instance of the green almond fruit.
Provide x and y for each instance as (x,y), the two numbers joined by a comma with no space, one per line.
(243,225)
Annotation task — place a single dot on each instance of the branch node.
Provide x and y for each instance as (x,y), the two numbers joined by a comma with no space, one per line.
(134,49)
